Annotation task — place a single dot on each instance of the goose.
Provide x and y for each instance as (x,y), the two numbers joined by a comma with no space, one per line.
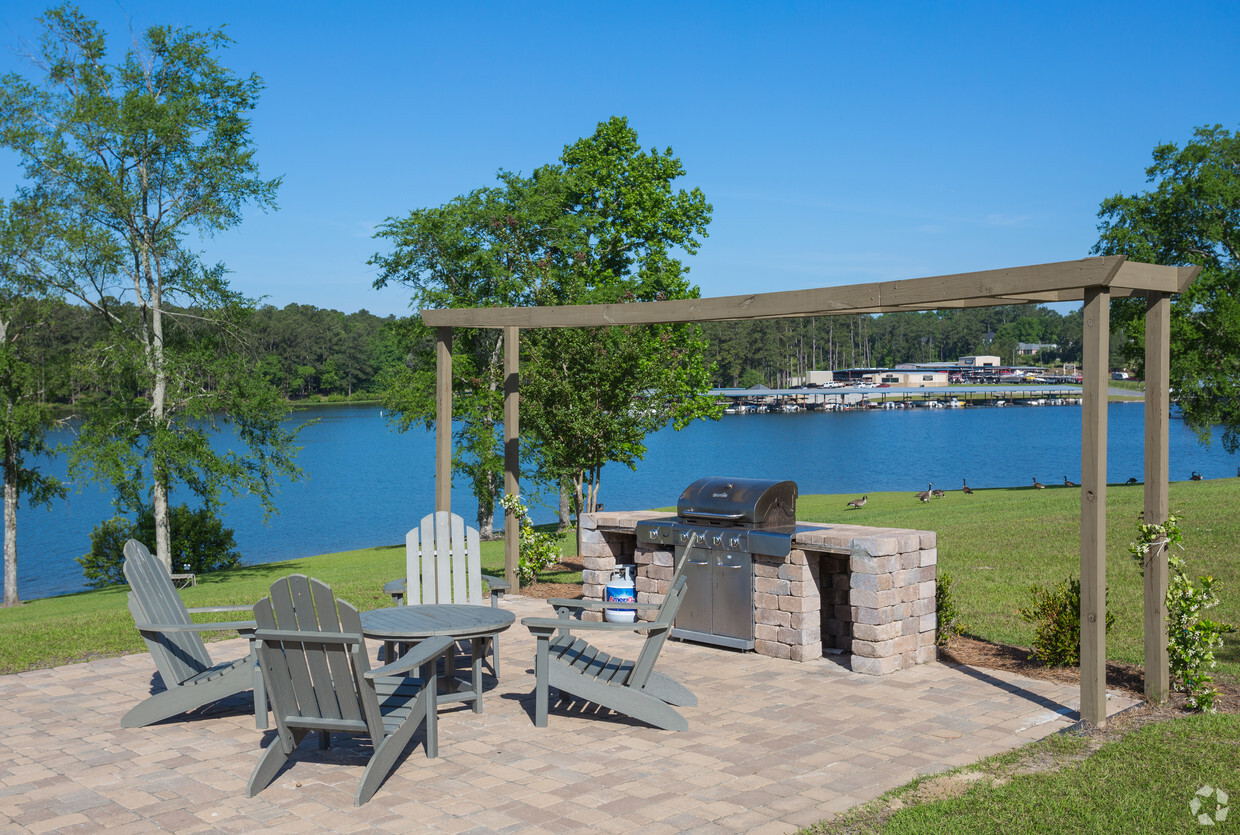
(937,493)
(1131,481)
(924,495)
(1038,485)
(966,489)
(1067,483)
(858,502)
(1196,476)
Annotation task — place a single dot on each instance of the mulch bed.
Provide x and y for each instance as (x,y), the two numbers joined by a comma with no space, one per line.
(972,652)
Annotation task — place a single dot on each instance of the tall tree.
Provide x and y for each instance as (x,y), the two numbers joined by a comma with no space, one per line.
(24,416)
(602,225)
(1190,216)
(137,156)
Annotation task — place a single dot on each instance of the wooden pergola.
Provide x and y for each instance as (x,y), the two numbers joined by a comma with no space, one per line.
(1093,281)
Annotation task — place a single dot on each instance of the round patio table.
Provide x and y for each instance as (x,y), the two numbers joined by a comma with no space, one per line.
(410,624)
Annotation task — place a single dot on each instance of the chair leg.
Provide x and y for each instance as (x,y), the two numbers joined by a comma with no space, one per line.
(271,761)
(542,663)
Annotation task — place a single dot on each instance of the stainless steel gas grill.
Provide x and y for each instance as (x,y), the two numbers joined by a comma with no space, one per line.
(720,523)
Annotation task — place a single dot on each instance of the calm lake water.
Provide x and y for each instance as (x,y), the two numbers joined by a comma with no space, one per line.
(367,484)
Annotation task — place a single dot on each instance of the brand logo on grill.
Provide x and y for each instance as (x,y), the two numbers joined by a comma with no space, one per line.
(723,495)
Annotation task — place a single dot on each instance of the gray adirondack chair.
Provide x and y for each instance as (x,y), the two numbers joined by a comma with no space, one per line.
(574,667)
(314,660)
(445,558)
(191,678)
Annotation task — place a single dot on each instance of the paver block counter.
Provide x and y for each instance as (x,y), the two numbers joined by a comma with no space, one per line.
(848,588)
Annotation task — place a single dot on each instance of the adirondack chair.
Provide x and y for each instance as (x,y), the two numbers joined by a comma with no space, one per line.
(314,661)
(191,678)
(445,558)
(574,667)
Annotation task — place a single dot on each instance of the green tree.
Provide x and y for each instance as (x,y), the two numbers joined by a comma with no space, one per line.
(136,157)
(1190,216)
(602,225)
(24,417)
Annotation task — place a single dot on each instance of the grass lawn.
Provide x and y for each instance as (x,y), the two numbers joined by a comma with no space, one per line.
(1142,781)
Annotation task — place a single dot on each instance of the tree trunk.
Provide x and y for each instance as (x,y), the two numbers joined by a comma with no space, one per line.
(10,524)
(564,511)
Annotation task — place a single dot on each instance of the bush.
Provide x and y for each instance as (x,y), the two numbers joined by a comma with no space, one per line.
(200,544)
(538,551)
(1191,638)
(947,617)
(1056,615)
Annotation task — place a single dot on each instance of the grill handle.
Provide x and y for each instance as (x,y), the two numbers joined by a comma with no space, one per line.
(729,517)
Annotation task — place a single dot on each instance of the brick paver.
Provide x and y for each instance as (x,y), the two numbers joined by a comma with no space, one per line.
(772,746)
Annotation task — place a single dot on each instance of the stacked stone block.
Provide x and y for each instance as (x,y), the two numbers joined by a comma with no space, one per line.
(892,602)
(787,607)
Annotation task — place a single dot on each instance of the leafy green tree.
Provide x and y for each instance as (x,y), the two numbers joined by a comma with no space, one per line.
(1190,216)
(602,225)
(24,417)
(136,157)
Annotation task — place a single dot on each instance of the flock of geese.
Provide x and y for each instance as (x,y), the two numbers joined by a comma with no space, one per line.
(931,493)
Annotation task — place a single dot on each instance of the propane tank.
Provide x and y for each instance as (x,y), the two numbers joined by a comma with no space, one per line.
(621,588)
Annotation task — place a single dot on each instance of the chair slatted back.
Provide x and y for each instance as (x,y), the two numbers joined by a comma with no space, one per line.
(657,636)
(313,657)
(443,561)
(179,656)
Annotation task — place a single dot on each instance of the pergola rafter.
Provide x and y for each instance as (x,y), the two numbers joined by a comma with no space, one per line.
(1093,281)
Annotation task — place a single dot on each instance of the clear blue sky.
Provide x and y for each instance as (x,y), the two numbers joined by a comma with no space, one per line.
(838,142)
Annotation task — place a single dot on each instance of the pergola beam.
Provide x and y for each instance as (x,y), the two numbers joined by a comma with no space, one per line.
(1157,499)
(1061,281)
(1096,345)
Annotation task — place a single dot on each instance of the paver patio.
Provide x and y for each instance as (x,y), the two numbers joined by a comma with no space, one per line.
(772,746)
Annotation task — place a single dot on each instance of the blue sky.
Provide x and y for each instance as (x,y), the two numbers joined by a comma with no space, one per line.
(838,142)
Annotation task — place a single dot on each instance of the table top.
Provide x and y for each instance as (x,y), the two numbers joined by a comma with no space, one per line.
(431,620)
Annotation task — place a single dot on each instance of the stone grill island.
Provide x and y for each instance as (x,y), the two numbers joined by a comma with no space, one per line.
(844,588)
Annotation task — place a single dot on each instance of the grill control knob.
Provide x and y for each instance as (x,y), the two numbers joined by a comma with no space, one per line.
(684,536)
(717,539)
(734,542)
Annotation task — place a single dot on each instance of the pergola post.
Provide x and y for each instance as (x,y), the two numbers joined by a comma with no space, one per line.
(1157,476)
(1097,326)
(443,419)
(512,448)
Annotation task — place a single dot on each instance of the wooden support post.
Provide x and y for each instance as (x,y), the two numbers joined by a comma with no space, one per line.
(512,448)
(443,419)
(1157,475)
(1097,326)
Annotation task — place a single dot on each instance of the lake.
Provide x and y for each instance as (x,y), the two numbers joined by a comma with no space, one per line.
(367,484)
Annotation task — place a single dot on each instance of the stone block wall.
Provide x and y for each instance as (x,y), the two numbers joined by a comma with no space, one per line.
(891,595)
(866,591)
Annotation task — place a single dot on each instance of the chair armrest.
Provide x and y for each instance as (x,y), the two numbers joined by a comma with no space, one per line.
(497,584)
(552,624)
(600,605)
(239,626)
(395,588)
(422,654)
(241,608)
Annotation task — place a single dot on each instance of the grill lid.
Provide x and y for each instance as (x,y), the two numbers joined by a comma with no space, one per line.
(739,501)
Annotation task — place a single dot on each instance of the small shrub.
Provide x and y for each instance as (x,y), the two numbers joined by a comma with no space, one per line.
(538,551)
(947,615)
(1056,615)
(1191,638)
(200,544)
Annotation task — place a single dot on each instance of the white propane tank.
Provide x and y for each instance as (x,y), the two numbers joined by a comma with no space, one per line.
(620,588)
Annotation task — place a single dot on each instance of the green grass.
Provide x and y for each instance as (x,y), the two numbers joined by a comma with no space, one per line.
(997,543)
(1142,782)
(76,627)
